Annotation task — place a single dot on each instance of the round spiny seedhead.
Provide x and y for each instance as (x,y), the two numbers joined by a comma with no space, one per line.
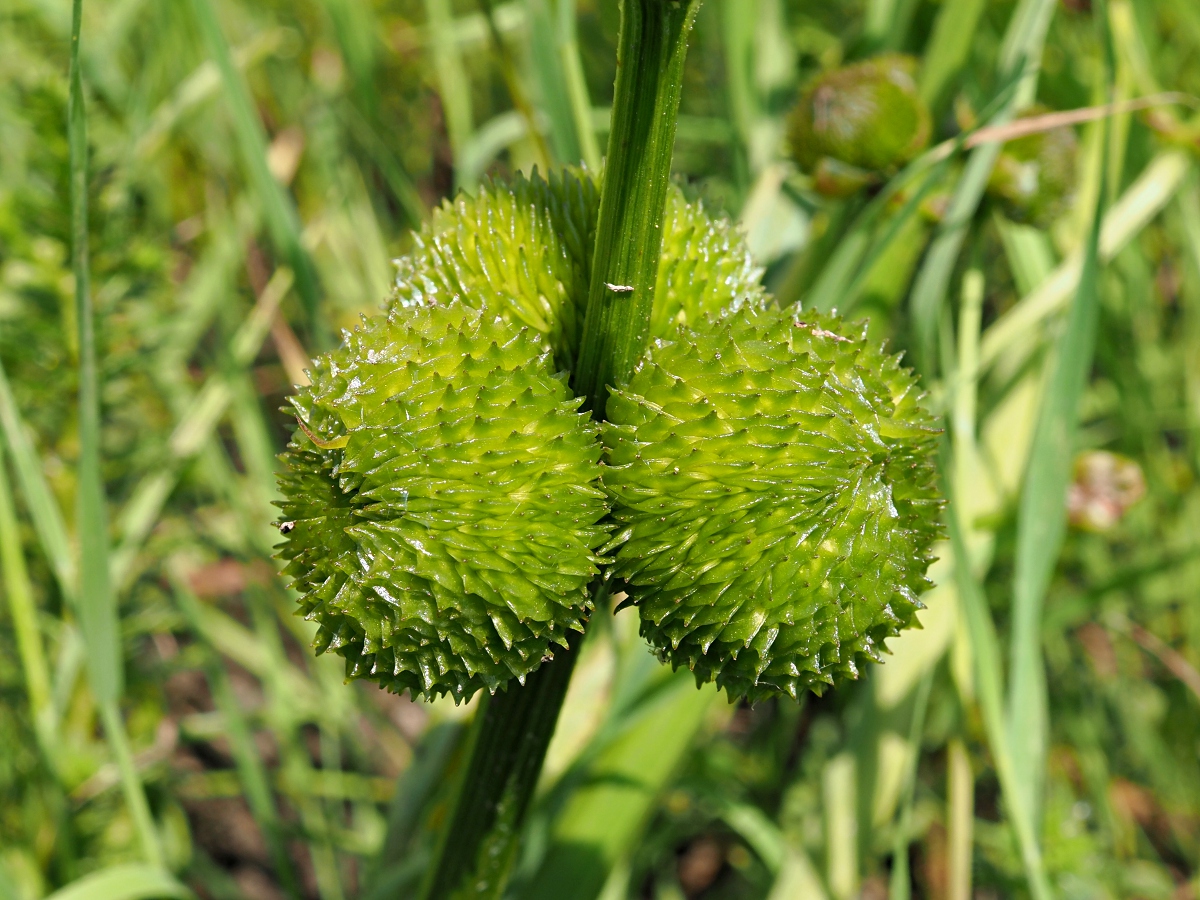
(523,251)
(1034,175)
(859,120)
(442,502)
(773,481)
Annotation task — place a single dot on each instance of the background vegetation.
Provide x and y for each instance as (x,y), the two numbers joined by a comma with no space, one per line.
(255,167)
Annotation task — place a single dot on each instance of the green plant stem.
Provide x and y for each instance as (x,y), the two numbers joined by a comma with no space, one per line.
(513,728)
(576,84)
(901,886)
(1023,43)
(985,648)
(516,90)
(96,606)
(508,742)
(650,56)
(1042,516)
(279,210)
(24,614)
(131,784)
(251,771)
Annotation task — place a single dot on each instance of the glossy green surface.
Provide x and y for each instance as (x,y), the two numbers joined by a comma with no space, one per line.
(449,545)
(773,480)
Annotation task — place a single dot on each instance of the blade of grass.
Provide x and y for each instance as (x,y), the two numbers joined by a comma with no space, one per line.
(454,89)
(839,803)
(887,24)
(287,722)
(989,686)
(797,878)
(1042,517)
(553,89)
(1020,56)
(737,36)
(357,31)
(251,771)
(566,32)
(131,783)
(399,182)
(43,509)
(901,880)
(97,608)
(283,223)
(24,612)
(512,81)
(948,49)
(125,882)
(201,85)
(1145,198)
(145,504)
(412,793)
(603,818)
(960,816)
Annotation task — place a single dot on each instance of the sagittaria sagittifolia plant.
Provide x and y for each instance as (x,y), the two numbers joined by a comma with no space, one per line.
(764,489)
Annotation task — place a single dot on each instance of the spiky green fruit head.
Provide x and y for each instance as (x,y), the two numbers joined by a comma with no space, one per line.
(523,250)
(1034,175)
(441,502)
(868,116)
(773,481)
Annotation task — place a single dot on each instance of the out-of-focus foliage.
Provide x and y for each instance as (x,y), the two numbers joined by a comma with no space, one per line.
(267,775)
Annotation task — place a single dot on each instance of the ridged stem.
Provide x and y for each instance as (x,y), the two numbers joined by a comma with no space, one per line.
(507,745)
(512,729)
(637,173)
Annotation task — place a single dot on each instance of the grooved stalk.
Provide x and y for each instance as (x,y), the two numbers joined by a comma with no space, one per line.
(507,744)
(650,57)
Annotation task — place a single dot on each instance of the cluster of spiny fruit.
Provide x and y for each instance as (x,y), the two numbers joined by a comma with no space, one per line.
(762,488)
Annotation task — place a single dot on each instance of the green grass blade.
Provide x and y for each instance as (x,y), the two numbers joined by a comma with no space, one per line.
(901,880)
(886,24)
(989,685)
(195,427)
(24,612)
(43,509)
(960,817)
(516,87)
(553,89)
(283,223)
(357,31)
(603,818)
(201,85)
(125,882)
(454,88)
(251,771)
(1042,519)
(948,49)
(737,36)
(1141,203)
(566,31)
(413,791)
(97,608)
(797,878)
(1021,54)
(1029,252)
(131,783)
